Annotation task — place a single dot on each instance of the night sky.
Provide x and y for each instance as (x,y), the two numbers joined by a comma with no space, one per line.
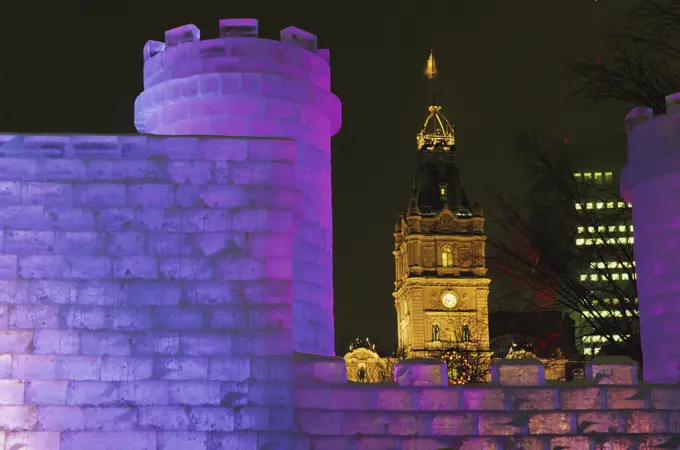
(73,66)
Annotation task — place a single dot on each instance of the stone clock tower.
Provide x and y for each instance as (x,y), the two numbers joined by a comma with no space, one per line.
(441,288)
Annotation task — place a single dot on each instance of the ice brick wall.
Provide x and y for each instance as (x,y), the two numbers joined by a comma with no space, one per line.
(239,85)
(146,292)
(517,410)
(651,182)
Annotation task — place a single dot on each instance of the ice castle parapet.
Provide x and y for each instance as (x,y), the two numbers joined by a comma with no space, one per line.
(651,182)
(608,409)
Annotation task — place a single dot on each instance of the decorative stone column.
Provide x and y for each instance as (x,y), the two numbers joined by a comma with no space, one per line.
(651,182)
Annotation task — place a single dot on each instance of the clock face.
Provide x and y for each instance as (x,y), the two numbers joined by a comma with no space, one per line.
(449,300)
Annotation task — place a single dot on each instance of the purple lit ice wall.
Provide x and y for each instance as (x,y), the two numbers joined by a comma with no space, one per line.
(146,284)
(239,85)
(651,182)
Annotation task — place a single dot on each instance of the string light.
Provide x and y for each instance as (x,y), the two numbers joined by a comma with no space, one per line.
(454,359)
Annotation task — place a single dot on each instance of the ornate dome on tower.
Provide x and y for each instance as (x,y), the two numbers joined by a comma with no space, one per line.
(436,133)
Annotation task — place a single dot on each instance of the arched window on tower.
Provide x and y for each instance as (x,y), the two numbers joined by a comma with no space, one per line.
(447,256)
(435,332)
(465,334)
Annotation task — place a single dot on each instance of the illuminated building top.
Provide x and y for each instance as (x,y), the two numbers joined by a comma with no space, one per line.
(438,185)
(437,133)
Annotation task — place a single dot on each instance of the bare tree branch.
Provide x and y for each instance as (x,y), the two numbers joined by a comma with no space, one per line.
(540,255)
(642,65)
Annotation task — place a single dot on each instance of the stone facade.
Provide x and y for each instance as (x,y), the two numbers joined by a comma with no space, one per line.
(422,282)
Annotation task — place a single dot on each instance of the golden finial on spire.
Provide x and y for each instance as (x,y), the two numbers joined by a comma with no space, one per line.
(431,74)
(431,67)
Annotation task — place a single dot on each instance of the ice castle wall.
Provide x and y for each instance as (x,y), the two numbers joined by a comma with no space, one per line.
(146,291)
(173,290)
(154,288)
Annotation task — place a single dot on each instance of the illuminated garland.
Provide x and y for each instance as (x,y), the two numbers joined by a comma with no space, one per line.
(462,365)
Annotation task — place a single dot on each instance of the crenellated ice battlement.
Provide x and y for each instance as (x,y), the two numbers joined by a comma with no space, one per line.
(238,28)
(189,80)
(238,37)
(653,142)
(641,114)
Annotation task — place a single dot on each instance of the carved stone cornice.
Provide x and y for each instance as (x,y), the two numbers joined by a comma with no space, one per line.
(447,238)
(414,292)
(445,224)
(458,282)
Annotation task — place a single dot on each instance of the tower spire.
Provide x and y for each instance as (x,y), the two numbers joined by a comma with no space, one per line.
(431,73)
(437,131)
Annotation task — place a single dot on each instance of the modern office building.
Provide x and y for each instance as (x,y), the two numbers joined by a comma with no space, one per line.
(604,240)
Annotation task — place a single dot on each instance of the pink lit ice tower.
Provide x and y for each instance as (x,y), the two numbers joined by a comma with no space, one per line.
(239,85)
(651,182)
